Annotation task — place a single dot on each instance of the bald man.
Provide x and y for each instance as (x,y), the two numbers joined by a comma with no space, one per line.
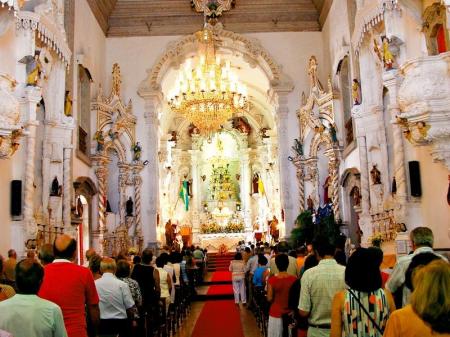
(72,287)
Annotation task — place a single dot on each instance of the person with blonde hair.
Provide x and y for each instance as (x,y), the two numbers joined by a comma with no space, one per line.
(429,312)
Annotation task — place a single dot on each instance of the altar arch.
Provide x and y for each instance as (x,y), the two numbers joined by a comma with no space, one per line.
(268,88)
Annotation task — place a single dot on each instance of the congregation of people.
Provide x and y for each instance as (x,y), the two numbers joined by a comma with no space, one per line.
(314,290)
(318,290)
(142,296)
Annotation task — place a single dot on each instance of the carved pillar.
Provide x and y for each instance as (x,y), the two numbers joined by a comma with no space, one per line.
(195,189)
(333,168)
(152,103)
(67,183)
(390,82)
(102,175)
(245,188)
(33,96)
(299,165)
(282,131)
(137,180)
(123,177)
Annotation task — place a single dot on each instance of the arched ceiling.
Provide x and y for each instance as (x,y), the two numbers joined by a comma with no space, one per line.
(176,17)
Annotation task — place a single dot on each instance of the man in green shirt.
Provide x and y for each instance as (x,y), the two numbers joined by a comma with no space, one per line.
(26,314)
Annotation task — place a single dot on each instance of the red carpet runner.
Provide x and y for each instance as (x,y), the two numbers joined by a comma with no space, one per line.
(219,318)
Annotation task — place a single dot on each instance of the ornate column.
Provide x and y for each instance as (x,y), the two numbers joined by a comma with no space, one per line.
(390,82)
(102,175)
(32,97)
(137,180)
(245,188)
(299,165)
(333,169)
(153,101)
(279,98)
(67,183)
(123,177)
(195,212)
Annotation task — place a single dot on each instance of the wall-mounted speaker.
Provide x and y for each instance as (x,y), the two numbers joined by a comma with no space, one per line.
(414,178)
(16,198)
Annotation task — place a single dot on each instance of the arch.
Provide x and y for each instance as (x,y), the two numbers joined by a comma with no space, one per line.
(318,139)
(251,49)
(86,186)
(347,173)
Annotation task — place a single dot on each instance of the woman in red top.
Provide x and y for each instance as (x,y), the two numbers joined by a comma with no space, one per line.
(278,295)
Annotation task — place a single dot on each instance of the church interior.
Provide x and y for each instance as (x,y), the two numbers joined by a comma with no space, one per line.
(135,124)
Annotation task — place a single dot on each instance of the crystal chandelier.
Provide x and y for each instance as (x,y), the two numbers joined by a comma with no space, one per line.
(207,93)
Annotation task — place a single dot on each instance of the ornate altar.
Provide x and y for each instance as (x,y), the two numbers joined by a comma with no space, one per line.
(116,134)
(317,149)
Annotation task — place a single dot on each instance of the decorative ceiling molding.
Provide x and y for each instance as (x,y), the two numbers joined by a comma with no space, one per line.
(158,18)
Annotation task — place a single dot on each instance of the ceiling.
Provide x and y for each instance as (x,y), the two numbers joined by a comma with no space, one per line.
(176,17)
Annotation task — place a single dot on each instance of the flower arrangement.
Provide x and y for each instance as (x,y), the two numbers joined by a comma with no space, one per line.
(377,239)
(214,228)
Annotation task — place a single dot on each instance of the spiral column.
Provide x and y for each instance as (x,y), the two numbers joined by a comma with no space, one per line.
(101,173)
(67,153)
(299,164)
(333,169)
(137,198)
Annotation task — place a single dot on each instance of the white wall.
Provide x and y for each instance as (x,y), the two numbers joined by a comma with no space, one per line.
(90,42)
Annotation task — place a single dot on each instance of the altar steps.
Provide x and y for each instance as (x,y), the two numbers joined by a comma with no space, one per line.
(219,262)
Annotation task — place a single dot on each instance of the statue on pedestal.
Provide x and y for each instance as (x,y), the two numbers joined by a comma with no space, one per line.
(33,68)
(255,182)
(375,174)
(137,149)
(100,138)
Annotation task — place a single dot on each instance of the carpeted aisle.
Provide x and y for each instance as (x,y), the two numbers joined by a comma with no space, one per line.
(220,318)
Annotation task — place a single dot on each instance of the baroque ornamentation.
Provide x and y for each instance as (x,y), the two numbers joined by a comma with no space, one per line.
(10,128)
(424,100)
(47,31)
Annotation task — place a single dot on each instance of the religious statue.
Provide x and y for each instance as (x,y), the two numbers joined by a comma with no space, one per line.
(375,174)
(356,195)
(169,233)
(137,149)
(113,134)
(263,133)
(298,147)
(333,133)
(129,207)
(33,68)
(100,138)
(394,186)
(356,92)
(79,208)
(241,124)
(173,136)
(388,57)
(193,130)
(108,207)
(274,231)
(310,204)
(326,190)
(68,104)
(55,190)
(255,183)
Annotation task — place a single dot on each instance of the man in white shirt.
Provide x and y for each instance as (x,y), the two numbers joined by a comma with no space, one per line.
(116,302)
(25,314)
(422,242)
(319,285)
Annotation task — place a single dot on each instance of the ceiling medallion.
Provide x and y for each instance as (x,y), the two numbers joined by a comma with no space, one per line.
(212,8)
(207,92)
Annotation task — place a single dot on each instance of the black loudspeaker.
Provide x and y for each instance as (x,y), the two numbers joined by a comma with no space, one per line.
(414,179)
(16,197)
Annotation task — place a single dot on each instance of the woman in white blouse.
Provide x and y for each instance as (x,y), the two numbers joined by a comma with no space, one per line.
(237,268)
